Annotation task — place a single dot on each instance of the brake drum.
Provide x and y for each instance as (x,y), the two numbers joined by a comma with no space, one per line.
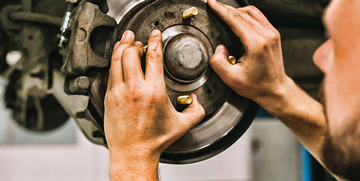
(188,45)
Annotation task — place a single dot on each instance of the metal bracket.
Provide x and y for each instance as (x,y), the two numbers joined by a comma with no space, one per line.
(92,36)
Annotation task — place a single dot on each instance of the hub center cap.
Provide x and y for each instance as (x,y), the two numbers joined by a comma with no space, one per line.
(186,57)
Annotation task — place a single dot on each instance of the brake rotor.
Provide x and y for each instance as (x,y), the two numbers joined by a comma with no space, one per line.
(188,45)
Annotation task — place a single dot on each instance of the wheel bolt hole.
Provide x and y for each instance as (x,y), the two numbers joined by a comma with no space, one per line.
(209,91)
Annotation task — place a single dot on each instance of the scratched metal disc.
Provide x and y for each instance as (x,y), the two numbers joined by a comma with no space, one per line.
(188,44)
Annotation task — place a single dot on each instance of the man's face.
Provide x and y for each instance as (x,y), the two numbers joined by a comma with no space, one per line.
(339,59)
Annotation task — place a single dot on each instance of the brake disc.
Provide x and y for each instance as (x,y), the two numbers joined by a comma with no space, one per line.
(192,42)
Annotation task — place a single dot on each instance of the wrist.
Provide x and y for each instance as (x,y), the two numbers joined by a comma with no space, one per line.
(133,165)
(276,98)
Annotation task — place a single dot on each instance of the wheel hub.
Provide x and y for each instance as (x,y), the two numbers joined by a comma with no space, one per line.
(188,45)
(186,54)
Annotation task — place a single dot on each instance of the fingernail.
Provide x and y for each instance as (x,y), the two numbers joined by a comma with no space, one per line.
(155,32)
(219,48)
(137,43)
(128,34)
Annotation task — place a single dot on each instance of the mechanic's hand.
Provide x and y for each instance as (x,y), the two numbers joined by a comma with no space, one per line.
(260,71)
(140,121)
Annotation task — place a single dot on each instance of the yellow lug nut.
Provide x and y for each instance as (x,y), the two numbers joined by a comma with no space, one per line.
(184,100)
(190,12)
(145,48)
(232,60)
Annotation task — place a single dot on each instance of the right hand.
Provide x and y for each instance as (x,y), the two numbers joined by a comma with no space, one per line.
(260,71)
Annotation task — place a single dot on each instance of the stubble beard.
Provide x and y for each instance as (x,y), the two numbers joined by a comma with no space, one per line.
(341,151)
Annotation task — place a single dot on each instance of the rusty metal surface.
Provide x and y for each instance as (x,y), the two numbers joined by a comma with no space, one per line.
(82,53)
(91,36)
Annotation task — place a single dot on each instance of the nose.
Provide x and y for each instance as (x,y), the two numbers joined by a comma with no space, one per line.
(323,55)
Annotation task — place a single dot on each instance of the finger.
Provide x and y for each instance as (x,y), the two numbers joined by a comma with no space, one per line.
(154,58)
(261,29)
(229,7)
(258,15)
(138,43)
(116,70)
(220,64)
(193,114)
(132,64)
(234,19)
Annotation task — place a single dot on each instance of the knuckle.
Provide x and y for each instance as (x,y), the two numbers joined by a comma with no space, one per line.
(131,51)
(273,38)
(157,93)
(216,59)
(110,97)
(266,43)
(134,90)
(253,8)
(134,96)
(259,45)
(115,93)
(156,97)
(155,55)
(201,111)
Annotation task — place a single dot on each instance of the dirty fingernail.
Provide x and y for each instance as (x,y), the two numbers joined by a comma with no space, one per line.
(137,43)
(155,32)
(219,48)
(128,34)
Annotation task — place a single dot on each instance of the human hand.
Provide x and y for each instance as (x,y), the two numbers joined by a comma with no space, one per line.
(260,71)
(140,121)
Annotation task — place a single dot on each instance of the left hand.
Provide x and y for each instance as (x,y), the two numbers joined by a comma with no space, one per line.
(140,121)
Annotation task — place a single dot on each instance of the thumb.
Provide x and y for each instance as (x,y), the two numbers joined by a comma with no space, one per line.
(220,62)
(194,113)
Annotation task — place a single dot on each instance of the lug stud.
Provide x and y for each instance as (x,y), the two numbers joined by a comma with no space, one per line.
(187,14)
(145,49)
(184,100)
(232,60)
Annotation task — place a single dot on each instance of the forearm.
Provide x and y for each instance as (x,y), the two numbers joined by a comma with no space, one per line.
(303,115)
(133,166)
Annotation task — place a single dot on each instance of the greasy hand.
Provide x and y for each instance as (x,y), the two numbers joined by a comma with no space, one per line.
(140,121)
(260,71)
